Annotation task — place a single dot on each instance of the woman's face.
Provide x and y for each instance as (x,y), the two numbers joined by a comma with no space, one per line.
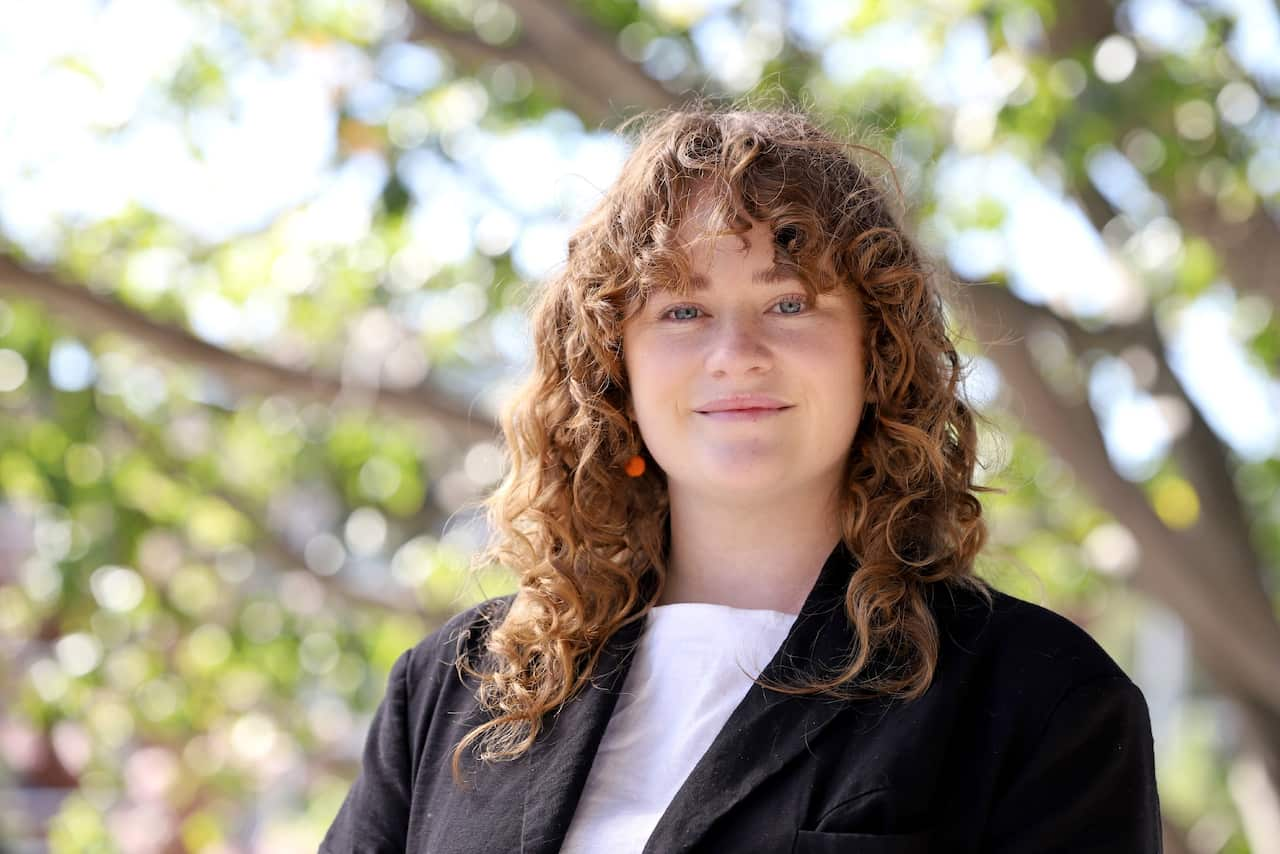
(738,336)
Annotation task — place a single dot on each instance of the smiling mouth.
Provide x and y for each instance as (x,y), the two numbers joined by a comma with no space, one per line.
(752,414)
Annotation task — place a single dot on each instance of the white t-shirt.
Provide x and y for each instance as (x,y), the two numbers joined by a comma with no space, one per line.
(683,684)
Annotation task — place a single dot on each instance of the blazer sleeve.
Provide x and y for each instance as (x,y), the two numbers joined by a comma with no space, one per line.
(374,817)
(1089,783)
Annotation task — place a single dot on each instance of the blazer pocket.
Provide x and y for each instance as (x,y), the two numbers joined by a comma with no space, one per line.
(823,842)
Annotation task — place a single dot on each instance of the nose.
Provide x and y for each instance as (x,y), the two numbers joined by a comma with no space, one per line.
(738,345)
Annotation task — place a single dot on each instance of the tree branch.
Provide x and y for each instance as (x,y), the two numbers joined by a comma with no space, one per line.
(1173,563)
(587,57)
(1076,31)
(1222,527)
(569,52)
(93,313)
(1250,250)
(474,53)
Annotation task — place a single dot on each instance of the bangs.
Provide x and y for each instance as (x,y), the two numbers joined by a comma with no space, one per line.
(665,266)
(670,271)
(820,208)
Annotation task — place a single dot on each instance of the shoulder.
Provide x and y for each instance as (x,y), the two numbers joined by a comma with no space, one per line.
(435,656)
(1030,680)
(1017,643)
(1063,735)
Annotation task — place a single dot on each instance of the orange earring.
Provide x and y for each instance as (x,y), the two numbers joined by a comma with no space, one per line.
(635,466)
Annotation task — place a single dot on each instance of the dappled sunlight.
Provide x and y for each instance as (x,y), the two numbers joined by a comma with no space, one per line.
(264,271)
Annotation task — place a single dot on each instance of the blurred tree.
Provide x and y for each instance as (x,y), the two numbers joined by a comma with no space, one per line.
(236,461)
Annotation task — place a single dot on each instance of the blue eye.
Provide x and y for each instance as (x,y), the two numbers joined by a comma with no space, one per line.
(801,300)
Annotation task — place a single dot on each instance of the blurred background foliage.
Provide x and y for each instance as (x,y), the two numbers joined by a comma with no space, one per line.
(262,272)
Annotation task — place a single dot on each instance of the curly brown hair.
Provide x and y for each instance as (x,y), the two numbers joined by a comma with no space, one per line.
(589,543)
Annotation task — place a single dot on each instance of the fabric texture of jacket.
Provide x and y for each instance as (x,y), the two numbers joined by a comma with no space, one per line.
(1030,739)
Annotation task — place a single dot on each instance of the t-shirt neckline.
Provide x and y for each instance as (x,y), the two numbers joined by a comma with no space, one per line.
(676,607)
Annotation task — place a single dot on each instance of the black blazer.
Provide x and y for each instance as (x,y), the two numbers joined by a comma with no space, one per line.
(1029,739)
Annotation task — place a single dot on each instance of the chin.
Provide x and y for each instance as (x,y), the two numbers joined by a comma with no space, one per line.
(738,481)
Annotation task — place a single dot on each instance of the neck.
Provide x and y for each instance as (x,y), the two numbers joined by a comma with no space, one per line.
(764,555)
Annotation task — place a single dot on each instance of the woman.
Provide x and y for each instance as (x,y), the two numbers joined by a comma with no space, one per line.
(742,513)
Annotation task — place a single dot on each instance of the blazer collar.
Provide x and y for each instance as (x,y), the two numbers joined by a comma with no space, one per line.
(765,731)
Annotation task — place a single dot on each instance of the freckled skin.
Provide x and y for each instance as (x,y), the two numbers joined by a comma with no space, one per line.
(738,336)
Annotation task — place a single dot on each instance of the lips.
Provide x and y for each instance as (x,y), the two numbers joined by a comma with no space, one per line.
(744,403)
(745,409)
(754,414)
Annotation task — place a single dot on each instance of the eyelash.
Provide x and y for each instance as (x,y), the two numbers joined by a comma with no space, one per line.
(800,298)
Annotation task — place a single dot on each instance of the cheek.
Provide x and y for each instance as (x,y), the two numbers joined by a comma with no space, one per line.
(648,373)
(838,367)
(653,358)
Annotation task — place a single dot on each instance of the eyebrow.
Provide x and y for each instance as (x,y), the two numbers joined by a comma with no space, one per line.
(770,276)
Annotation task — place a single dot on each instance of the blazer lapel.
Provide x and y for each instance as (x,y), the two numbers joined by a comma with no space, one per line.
(767,729)
(560,758)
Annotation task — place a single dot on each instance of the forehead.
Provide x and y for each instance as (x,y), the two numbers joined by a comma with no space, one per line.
(697,220)
(701,237)
(771,275)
